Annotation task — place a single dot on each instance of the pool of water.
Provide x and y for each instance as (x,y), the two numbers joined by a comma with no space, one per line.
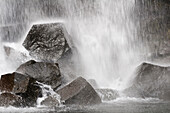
(118,106)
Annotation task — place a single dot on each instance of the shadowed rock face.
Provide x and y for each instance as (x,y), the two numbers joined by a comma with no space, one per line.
(79,92)
(47,73)
(47,41)
(32,93)
(151,81)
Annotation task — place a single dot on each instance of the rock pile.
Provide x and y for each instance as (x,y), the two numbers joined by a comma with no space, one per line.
(18,90)
(46,43)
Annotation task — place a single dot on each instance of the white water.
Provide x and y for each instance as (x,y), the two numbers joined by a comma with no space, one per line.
(103,32)
(105,40)
(17,56)
(46,92)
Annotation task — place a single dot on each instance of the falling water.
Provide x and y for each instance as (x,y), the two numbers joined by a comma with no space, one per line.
(107,40)
(103,34)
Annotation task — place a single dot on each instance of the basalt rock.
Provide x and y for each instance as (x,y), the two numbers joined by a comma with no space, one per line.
(79,92)
(151,81)
(107,94)
(8,99)
(15,82)
(24,89)
(47,42)
(32,93)
(50,101)
(47,73)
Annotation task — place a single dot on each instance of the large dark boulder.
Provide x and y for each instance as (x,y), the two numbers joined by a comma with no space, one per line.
(47,42)
(47,73)
(15,82)
(79,92)
(25,90)
(151,81)
(9,99)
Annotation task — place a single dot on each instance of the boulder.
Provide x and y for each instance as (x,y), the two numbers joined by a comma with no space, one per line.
(107,94)
(47,73)
(32,93)
(22,86)
(50,101)
(8,99)
(7,83)
(15,82)
(79,92)
(47,42)
(150,81)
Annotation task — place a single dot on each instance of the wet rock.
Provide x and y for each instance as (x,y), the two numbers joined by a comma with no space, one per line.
(7,83)
(32,93)
(47,73)
(22,86)
(8,99)
(79,92)
(107,94)
(50,101)
(151,81)
(47,42)
(15,82)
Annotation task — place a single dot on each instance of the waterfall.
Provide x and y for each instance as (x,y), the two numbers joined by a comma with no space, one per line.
(103,33)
